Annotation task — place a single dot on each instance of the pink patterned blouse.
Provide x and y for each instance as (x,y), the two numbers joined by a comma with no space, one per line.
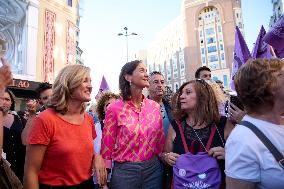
(130,135)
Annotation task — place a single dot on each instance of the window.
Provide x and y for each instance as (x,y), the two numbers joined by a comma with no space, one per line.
(203,60)
(225,78)
(202,51)
(212,49)
(219,29)
(176,87)
(182,73)
(213,58)
(221,47)
(209,31)
(69,2)
(201,33)
(175,75)
(222,56)
(215,78)
(211,40)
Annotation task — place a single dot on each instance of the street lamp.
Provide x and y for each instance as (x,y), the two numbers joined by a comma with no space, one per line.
(126,34)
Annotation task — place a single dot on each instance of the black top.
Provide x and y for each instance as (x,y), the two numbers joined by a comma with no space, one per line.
(13,147)
(193,143)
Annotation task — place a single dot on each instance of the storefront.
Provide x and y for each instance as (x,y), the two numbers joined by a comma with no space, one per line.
(23,91)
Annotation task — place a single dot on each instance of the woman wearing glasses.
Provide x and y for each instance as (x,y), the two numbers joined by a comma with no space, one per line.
(197,118)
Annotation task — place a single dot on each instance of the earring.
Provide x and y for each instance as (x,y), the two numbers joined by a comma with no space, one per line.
(130,83)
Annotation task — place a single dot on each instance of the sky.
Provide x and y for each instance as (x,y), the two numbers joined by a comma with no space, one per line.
(105,52)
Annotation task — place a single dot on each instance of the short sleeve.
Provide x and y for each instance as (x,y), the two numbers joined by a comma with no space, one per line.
(40,132)
(241,158)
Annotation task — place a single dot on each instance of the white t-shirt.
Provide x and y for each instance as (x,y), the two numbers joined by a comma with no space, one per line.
(98,139)
(248,159)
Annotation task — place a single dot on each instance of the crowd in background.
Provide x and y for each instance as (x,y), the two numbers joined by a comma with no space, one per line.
(195,137)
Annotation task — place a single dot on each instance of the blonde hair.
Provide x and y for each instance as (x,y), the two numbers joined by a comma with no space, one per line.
(219,94)
(68,79)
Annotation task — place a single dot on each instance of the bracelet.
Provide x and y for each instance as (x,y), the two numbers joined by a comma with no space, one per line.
(165,155)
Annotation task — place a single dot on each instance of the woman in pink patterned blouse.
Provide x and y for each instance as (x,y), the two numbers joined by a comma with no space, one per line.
(133,134)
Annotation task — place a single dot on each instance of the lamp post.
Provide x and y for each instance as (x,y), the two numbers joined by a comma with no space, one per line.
(126,34)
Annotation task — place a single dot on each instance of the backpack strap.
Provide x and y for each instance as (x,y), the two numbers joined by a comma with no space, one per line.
(277,155)
(208,145)
(182,138)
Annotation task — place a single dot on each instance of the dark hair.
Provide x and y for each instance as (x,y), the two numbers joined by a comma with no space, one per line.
(12,96)
(256,83)
(206,109)
(219,81)
(101,103)
(197,73)
(124,85)
(155,73)
(42,87)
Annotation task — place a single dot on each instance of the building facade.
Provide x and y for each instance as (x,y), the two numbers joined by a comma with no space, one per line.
(203,35)
(278,7)
(167,54)
(41,37)
(18,28)
(57,37)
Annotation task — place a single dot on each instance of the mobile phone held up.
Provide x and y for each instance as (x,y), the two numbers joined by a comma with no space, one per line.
(235,100)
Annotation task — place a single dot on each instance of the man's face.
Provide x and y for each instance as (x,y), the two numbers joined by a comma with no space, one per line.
(45,96)
(204,74)
(157,86)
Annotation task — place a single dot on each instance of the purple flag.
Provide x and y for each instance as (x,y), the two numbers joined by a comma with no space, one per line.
(241,55)
(103,88)
(275,37)
(261,49)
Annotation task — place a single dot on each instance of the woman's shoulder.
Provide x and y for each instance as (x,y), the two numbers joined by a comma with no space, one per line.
(47,115)
(152,103)
(175,124)
(116,104)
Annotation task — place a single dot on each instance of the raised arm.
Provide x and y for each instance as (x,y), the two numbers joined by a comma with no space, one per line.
(5,79)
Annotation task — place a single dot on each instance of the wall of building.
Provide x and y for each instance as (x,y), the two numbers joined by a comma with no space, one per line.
(203,35)
(57,33)
(226,15)
(166,54)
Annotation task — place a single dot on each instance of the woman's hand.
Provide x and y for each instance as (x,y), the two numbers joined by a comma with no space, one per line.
(170,158)
(235,113)
(32,107)
(99,169)
(5,75)
(217,152)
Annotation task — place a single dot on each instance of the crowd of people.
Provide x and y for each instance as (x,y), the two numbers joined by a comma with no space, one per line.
(198,138)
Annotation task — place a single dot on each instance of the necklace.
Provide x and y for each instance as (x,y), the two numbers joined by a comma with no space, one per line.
(223,143)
